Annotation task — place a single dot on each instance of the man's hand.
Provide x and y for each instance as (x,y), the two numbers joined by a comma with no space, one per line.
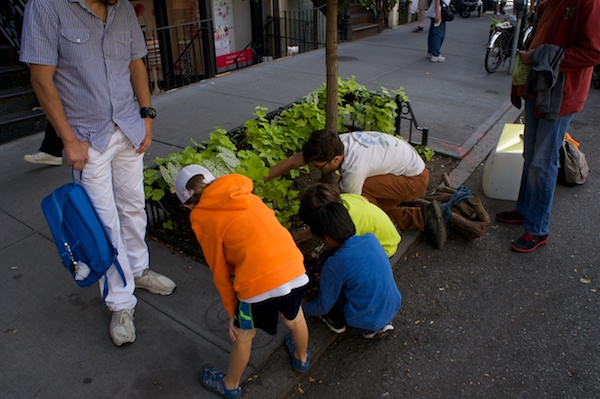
(77,154)
(147,138)
(526,57)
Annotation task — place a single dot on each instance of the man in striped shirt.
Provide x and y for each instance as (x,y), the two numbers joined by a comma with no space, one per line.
(86,65)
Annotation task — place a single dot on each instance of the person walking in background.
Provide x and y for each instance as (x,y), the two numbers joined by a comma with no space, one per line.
(257,268)
(500,7)
(86,65)
(566,29)
(437,31)
(422,7)
(50,151)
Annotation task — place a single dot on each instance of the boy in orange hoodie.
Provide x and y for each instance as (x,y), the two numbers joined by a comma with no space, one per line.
(257,268)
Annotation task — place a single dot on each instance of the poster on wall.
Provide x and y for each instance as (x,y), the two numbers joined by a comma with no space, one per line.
(223,21)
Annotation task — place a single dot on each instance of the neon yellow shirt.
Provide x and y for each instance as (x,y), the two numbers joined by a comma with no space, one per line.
(369,218)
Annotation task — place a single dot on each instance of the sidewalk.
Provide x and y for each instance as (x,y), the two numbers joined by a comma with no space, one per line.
(56,342)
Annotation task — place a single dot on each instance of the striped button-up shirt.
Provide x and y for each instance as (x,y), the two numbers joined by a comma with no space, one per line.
(92,64)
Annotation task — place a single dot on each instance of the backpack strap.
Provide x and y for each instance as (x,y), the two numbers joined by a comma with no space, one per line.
(108,238)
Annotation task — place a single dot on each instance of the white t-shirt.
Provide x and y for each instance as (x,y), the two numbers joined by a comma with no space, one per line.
(369,154)
(430,13)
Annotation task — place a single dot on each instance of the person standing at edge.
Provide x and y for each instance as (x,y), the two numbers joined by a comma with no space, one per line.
(50,152)
(86,65)
(423,5)
(564,25)
(437,31)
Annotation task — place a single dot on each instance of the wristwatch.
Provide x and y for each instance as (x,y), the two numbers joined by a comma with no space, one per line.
(148,112)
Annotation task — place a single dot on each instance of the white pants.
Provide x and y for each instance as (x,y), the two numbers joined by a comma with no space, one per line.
(114,182)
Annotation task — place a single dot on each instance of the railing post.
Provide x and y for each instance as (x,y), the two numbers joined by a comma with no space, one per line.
(276,30)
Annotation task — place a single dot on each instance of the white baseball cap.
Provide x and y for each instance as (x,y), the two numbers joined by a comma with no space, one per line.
(184,176)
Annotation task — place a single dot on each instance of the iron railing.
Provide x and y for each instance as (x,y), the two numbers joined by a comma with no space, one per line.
(178,55)
(296,32)
(11,21)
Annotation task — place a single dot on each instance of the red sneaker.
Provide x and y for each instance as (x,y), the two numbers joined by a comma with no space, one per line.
(529,242)
(512,217)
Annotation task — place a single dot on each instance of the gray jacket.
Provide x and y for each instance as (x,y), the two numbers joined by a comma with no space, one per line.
(545,81)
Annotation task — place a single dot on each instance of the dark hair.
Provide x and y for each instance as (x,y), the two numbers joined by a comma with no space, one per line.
(316,195)
(322,146)
(332,220)
(196,184)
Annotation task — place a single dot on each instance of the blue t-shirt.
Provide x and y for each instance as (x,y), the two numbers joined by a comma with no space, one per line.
(361,270)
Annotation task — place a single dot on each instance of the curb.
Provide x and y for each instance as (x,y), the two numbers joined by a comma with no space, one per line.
(268,379)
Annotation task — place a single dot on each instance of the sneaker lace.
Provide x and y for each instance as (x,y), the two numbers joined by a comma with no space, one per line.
(122,315)
(528,237)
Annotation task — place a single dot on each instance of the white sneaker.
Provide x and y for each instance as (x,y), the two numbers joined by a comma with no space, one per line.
(155,283)
(439,58)
(429,55)
(372,334)
(43,158)
(122,329)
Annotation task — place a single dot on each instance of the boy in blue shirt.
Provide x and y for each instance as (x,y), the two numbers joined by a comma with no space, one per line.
(356,285)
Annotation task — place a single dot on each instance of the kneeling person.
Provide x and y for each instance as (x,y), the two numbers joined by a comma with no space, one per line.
(356,286)
(366,216)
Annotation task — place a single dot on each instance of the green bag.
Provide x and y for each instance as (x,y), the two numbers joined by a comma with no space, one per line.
(520,73)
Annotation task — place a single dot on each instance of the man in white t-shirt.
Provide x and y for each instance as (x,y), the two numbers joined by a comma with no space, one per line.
(385,169)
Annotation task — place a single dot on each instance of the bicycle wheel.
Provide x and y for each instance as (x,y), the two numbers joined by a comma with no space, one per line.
(495,56)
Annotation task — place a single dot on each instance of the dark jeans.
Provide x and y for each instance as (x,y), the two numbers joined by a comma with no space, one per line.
(336,314)
(435,38)
(52,144)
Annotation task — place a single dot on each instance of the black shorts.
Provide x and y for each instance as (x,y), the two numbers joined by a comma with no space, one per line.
(265,314)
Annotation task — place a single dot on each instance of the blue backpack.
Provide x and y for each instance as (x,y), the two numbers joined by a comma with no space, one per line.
(83,242)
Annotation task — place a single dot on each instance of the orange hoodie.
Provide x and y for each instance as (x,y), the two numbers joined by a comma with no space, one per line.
(248,251)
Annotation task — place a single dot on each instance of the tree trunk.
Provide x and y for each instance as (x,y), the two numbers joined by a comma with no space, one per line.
(331,60)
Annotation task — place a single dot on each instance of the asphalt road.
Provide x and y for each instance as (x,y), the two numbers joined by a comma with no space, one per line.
(481,321)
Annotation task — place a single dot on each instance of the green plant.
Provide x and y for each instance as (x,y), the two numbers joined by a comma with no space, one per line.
(425,152)
(265,140)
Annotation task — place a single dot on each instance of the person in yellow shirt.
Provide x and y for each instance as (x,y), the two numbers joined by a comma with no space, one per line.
(366,216)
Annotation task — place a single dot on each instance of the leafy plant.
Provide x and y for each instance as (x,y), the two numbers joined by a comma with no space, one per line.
(265,140)
(425,152)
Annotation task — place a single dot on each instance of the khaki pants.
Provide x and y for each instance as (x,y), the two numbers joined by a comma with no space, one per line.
(389,191)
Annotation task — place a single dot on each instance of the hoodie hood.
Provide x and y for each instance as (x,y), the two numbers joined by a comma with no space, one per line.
(229,192)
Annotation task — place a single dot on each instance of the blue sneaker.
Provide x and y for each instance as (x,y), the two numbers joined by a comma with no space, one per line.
(296,364)
(212,379)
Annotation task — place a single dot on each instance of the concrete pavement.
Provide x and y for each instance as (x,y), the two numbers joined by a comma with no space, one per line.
(55,341)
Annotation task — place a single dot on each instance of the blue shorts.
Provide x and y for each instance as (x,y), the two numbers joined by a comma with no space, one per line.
(265,315)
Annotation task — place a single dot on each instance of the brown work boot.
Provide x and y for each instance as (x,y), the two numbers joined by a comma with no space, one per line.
(435,226)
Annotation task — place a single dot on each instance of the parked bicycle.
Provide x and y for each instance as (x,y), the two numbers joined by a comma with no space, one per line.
(501,42)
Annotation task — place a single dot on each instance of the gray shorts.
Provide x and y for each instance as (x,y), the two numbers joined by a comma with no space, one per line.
(424,4)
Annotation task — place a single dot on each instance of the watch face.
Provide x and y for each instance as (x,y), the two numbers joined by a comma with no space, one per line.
(148,112)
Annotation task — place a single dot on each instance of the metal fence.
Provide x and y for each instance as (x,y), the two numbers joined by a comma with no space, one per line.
(11,21)
(179,55)
(183,54)
(295,32)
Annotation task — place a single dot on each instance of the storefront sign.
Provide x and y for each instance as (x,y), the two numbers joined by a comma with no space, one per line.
(226,60)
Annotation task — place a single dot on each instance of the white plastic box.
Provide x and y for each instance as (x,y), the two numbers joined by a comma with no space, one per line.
(502,171)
